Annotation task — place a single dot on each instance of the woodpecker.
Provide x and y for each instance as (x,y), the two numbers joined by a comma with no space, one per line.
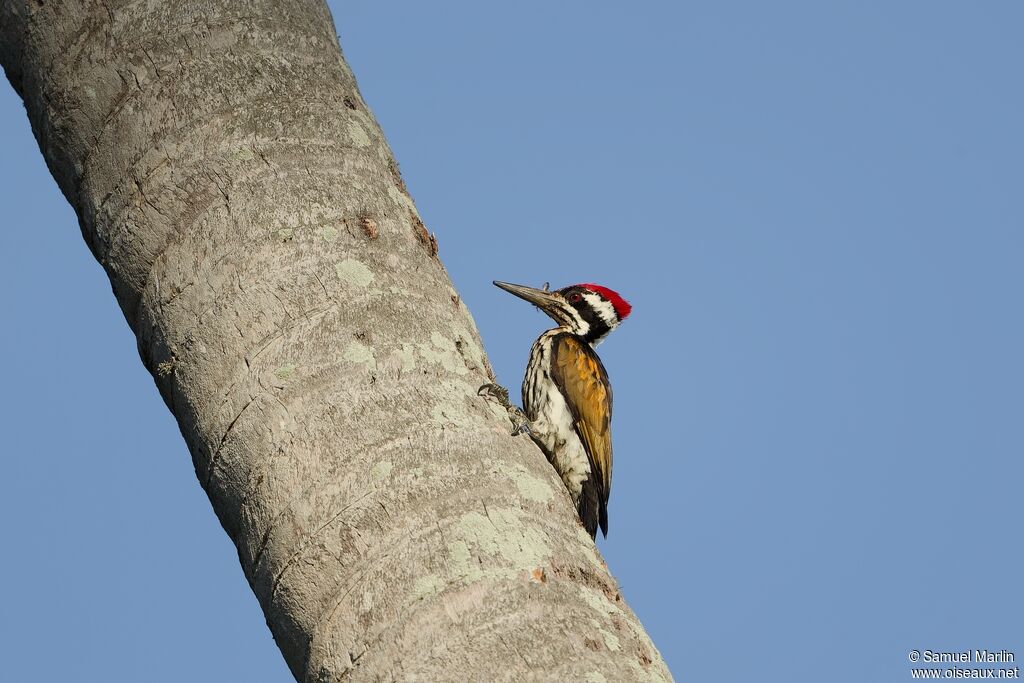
(567,397)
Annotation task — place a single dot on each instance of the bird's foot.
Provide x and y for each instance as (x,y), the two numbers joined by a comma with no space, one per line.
(495,392)
(520,423)
(499,394)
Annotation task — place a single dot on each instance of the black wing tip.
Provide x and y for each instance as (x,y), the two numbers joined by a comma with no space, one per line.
(593,510)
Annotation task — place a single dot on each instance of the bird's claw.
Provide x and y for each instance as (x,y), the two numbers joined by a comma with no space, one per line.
(498,393)
(520,423)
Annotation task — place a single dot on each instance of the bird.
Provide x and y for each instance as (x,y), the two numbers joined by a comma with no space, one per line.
(567,397)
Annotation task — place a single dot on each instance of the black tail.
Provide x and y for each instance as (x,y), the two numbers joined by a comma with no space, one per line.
(592,510)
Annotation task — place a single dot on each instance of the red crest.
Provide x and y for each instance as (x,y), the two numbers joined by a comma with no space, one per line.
(621,306)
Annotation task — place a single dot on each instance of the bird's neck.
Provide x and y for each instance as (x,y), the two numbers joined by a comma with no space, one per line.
(593,335)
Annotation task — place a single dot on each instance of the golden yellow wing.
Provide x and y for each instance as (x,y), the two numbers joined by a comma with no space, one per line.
(578,372)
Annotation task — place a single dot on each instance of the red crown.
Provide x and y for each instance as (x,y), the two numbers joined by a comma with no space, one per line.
(622,307)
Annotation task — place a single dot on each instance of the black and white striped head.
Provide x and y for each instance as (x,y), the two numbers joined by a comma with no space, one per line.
(587,310)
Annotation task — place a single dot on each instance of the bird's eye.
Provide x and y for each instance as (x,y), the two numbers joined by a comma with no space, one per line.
(575,298)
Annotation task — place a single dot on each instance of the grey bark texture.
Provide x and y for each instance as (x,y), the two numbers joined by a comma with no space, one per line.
(295,316)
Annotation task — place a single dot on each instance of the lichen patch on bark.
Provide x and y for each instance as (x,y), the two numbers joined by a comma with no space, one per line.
(354,273)
(357,352)
(442,351)
(427,586)
(530,487)
(406,356)
(285,371)
(358,135)
(382,470)
(496,543)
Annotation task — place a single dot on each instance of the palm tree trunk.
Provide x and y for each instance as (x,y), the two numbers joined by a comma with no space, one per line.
(298,322)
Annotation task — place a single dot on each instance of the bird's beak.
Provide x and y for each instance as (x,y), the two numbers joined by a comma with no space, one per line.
(542,299)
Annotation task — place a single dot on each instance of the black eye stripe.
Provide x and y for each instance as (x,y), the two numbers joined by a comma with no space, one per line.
(598,326)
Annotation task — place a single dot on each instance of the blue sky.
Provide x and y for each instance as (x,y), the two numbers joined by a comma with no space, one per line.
(817,212)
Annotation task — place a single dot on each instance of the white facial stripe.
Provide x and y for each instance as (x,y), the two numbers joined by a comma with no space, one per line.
(569,317)
(580,325)
(604,309)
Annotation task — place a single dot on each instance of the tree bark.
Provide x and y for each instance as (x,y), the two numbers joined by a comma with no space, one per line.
(298,323)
